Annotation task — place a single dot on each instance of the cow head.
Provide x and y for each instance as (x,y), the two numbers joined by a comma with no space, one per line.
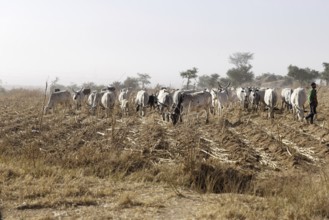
(77,94)
(220,87)
(86,91)
(254,96)
(110,88)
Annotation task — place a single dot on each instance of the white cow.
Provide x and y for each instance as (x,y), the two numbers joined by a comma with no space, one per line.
(223,100)
(214,100)
(298,99)
(108,101)
(141,102)
(222,97)
(270,99)
(164,101)
(91,98)
(192,102)
(124,94)
(123,100)
(243,96)
(60,97)
(124,105)
(94,100)
(286,98)
(254,99)
(79,96)
(178,93)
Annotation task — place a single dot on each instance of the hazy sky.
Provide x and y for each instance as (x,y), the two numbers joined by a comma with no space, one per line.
(105,40)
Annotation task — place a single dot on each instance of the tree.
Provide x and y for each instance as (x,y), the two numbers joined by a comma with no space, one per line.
(207,81)
(143,78)
(302,75)
(268,78)
(189,74)
(325,73)
(203,81)
(92,86)
(158,87)
(241,59)
(214,80)
(224,81)
(117,85)
(131,82)
(241,73)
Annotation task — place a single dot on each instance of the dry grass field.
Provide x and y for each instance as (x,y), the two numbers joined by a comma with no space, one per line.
(71,164)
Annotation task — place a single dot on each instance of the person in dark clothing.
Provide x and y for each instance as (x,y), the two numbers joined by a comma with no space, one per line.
(313,100)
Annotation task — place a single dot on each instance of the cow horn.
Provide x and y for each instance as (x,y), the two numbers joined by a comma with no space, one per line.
(228,84)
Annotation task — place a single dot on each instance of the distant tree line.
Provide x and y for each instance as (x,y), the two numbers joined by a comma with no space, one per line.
(240,74)
(142,80)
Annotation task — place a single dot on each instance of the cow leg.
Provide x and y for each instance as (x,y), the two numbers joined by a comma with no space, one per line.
(207,116)
(66,107)
(272,112)
(143,111)
(212,110)
(282,104)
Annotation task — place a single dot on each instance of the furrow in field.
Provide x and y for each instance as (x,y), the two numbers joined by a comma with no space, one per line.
(302,144)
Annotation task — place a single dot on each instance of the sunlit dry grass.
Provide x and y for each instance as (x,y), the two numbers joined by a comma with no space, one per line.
(75,159)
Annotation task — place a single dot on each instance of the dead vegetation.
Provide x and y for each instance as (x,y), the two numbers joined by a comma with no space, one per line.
(124,165)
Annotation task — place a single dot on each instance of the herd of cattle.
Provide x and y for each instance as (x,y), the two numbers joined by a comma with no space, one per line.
(174,104)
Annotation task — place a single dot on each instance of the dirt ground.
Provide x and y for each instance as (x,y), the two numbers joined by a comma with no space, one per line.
(71,164)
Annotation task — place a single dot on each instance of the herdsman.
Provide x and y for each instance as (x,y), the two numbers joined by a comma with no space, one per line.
(313,100)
